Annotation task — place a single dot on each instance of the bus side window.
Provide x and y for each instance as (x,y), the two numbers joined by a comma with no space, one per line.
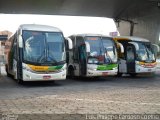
(79,42)
(130,54)
(120,54)
(75,50)
(13,52)
(74,47)
(15,49)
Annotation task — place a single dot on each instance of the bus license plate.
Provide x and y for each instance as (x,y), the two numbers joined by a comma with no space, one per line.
(149,70)
(105,73)
(46,77)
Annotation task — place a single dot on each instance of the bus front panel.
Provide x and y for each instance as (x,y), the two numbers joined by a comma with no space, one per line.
(44,55)
(43,73)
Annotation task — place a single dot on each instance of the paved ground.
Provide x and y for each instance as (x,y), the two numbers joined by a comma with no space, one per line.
(110,95)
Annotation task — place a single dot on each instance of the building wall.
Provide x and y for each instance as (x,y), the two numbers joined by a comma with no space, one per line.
(2,46)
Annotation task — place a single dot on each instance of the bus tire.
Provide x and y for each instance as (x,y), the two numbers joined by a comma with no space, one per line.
(72,76)
(119,74)
(19,81)
(133,74)
(71,72)
(8,74)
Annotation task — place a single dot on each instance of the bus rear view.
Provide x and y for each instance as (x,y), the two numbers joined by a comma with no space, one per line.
(37,53)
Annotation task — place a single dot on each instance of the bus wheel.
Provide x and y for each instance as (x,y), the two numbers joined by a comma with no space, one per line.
(19,81)
(119,74)
(133,74)
(71,74)
(8,75)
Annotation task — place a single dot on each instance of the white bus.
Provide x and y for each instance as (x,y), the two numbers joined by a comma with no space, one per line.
(36,53)
(92,55)
(138,56)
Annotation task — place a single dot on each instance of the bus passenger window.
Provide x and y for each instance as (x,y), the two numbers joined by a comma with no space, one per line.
(142,54)
(130,54)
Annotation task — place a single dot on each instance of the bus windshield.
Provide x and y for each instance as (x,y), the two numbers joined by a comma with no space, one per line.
(110,50)
(102,50)
(43,47)
(145,52)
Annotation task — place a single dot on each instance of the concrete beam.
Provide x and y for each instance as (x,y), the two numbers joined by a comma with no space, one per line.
(147,23)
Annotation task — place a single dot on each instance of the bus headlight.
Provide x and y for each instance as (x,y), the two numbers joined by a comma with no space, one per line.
(115,68)
(92,61)
(147,65)
(27,68)
(92,67)
(141,65)
(63,68)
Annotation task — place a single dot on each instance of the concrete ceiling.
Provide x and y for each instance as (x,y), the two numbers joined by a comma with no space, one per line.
(99,8)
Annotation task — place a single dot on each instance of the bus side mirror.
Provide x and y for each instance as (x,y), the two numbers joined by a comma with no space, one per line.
(121,47)
(135,44)
(19,32)
(20,41)
(156,49)
(69,42)
(88,49)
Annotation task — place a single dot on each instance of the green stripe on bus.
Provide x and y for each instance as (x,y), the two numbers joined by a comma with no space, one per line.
(107,67)
(55,67)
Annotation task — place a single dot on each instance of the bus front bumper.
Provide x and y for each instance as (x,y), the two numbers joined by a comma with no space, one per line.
(31,76)
(92,73)
(140,69)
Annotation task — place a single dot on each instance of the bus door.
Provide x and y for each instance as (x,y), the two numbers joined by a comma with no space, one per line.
(12,56)
(82,60)
(130,58)
(10,60)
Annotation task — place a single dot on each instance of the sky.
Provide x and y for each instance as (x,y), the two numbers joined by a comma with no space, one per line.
(68,24)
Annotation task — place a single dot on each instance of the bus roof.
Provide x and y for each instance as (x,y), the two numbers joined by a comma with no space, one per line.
(132,38)
(36,27)
(91,35)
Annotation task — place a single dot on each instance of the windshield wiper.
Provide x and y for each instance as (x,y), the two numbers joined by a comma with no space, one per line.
(107,56)
(42,57)
(49,53)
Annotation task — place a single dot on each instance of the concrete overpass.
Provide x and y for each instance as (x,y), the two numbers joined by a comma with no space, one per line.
(133,17)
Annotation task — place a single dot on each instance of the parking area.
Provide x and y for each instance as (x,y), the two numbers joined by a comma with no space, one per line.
(109,95)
